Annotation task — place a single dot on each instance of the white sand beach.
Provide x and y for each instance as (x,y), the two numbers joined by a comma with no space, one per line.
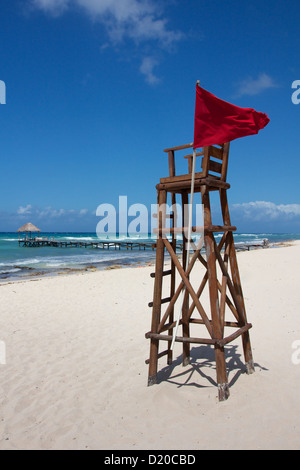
(75,374)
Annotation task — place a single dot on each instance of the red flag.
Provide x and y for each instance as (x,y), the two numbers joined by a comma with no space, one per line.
(217,121)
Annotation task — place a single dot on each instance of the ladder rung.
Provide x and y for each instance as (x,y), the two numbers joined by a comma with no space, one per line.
(207,228)
(198,154)
(165,273)
(163,301)
(163,353)
(181,339)
(167,216)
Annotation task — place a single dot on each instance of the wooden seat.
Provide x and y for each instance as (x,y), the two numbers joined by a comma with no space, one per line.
(214,165)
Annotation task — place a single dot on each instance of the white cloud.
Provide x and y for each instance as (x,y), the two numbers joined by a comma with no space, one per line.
(140,21)
(83,212)
(146,68)
(24,210)
(55,7)
(252,86)
(58,213)
(50,212)
(136,19)
(265,210)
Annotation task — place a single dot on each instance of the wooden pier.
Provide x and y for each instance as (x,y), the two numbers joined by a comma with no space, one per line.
(105,245)
(114,245)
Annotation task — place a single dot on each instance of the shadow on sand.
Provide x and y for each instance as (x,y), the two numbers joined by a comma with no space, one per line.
(201,371)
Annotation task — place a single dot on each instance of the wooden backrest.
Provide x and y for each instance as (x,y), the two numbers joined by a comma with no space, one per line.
(214,162)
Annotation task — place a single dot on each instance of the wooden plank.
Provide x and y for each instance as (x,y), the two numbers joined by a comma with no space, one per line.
(161,354)
(220,228)
(212,341)
(228,324)
(180,147)
(181,339)
(179,178)
(171,158)
(211,181)
(225,161)
(169,326)
(165,273)
(215,166)
(204,162)
(163,301)
(167,216)
(216,152)
(198,154)
(207,228)
(190,165)
(235,335)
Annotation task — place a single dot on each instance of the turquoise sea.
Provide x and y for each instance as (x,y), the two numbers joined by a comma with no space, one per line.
(17,262)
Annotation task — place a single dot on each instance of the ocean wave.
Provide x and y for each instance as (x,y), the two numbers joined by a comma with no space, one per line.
(23,262)
(9,271)
(259,241)
(247,234)
(75,239)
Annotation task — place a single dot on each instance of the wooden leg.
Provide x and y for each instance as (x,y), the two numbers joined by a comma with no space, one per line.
(156,311)
(237,284)
(222,379)
(238,288)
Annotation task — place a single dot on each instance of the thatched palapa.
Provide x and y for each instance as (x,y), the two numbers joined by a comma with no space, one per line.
(28,228)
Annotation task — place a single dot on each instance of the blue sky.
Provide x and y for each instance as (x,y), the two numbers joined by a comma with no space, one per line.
(96,89)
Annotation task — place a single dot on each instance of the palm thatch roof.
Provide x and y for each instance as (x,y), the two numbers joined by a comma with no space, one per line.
(28,228)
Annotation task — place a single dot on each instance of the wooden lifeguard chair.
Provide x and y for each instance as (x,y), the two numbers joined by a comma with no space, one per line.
(220,258)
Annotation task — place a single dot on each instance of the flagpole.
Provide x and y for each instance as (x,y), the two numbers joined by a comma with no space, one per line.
(189,240)
(187,259)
